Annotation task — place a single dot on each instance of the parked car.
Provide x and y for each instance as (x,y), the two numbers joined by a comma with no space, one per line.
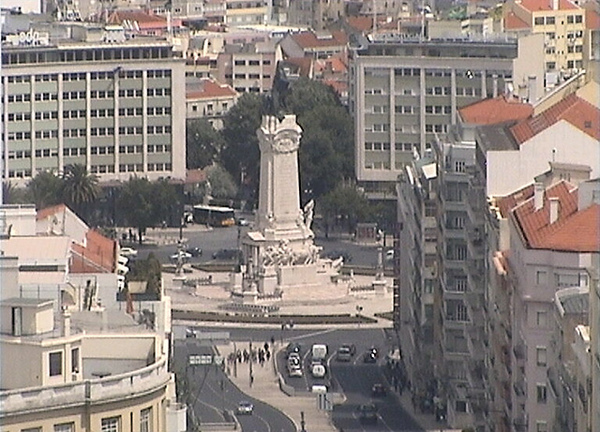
(245,407)
(295,372)
(128,252)
(367,413)
(194,251)
(378,390)
(389,255)
(227,255)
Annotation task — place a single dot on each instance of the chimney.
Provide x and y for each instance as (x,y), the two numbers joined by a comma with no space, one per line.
(554,209)
(538,195)
(495,85)
(66,328)
(531,93)
(555,4)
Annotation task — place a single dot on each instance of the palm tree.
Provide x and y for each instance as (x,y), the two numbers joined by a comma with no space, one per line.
(44,189)
(79,189)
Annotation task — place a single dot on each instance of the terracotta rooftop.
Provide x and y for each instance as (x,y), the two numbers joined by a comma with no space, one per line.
(572,109)
(138,16)
(507,203)
(495,110)
(97,256)
(592,19)
(513,22)
(303,65)
(194,176)
(340,87)
(209,88)
(360,23)
(575,231)
(332,64)
(48,211)
(546,5)
(309,39)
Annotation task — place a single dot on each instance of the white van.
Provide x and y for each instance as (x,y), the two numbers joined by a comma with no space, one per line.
(319,352)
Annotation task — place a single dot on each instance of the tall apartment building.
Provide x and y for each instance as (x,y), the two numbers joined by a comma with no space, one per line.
(113,104)
(244,12)
(403,91)
(417,275)
(563,24)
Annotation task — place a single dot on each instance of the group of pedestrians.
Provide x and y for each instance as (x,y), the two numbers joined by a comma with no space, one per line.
(260,355)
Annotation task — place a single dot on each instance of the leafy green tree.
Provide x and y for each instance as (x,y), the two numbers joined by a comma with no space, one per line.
(222,184)
(148,270)
(12,194)
(344,207)
(326,149)
(203,143)
(240,152)
(166,202)
(79,189)
(44,189)
(305,95)
(136,204)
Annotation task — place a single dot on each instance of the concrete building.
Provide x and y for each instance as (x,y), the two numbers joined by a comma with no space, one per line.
(595,344)
(248,66)
(95,97)
(65,379)
(317,45)
(403,91)
(315,14)
(418,274)
(569,360)
(553,238)
(210,100)
(243,12)
(562,23)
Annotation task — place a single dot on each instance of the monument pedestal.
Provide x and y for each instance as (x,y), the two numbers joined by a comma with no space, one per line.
(379,286)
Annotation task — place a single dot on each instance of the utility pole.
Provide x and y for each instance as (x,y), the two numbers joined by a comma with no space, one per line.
(250,371)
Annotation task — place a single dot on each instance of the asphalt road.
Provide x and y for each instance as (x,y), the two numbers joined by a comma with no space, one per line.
(227,238)
(354,379)
(212,394)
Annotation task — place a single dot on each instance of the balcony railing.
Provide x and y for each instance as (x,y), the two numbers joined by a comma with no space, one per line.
(112,388)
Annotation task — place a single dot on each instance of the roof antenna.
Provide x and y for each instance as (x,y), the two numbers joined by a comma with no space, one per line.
(554,154)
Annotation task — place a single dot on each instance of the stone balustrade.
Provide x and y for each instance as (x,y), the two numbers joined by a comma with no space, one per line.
(117,387)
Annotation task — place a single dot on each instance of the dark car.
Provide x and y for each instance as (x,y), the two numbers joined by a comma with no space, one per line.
(345,352)
(367,413)
(371,356)
(227,255)
(194,251)
(378,390)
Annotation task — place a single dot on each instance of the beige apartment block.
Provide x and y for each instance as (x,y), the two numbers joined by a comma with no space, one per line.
(98,98)
(563,24)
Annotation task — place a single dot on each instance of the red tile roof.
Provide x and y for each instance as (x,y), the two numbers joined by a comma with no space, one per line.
(97,256)
(507,203)
(545,5)
(303,64)
(592,19)
(495,110)
(340,87)
(360,23)
(332,64)
(572,109)
(48,211)
(195,176)
(309,39)
(513,22)
(209,88)
(574,230)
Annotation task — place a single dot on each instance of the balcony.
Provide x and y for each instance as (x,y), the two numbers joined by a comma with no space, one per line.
(113,388)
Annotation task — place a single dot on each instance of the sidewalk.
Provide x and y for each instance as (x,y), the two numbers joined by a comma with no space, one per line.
(160,236)
(265,387)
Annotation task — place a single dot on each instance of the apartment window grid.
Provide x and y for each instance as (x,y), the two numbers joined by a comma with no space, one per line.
(146,420)
(111,424)
(64,427)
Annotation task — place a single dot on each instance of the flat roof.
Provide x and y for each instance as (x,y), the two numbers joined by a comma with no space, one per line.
(26,302)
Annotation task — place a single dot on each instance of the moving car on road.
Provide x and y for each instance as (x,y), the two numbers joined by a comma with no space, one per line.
(371,355)
(345,353)
(367,413)
(128,252)
(378,390)
(245,407)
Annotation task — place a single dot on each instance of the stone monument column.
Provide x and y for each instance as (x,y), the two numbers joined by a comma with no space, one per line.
(279,196)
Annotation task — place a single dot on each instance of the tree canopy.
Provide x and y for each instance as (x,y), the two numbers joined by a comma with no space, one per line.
(203,143)
(44,189)
(79,189)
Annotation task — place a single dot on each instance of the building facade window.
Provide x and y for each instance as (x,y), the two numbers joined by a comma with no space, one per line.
(146,420)
(55,363)
(111,424)
(541,356)
(64,427)
(542,393)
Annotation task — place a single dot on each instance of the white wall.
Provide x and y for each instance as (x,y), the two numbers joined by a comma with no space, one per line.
(508,171)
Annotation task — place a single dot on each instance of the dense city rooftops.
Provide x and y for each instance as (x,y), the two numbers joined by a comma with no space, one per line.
(495,110)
